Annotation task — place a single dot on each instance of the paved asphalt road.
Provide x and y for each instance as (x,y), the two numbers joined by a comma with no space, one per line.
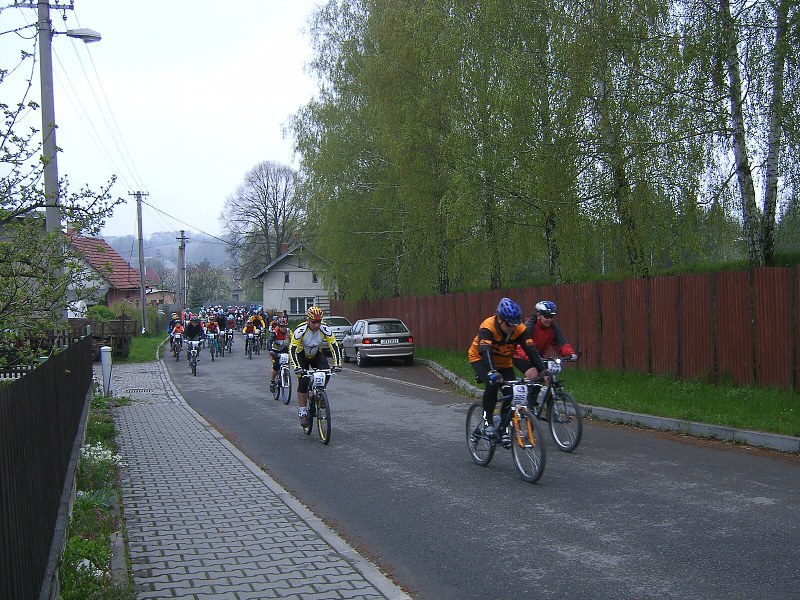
(631,514)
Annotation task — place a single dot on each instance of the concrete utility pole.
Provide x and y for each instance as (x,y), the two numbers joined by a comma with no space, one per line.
(142,269)
(182,269)
(52,209)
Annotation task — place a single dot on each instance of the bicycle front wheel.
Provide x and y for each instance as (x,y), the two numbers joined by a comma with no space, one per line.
(286,385)
(323,417)
(527,447)
(566,421)
(194,366)
(481,448)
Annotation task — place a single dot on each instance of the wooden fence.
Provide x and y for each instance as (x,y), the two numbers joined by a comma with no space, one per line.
(41,425)
(741,327)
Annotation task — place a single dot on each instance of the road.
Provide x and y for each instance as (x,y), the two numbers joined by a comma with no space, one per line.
(631,514)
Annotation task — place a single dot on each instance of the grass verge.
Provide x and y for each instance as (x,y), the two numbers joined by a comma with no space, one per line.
(755,408)
(143,348)
(85,568)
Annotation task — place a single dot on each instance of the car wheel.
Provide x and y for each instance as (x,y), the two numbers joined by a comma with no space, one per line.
(361,360)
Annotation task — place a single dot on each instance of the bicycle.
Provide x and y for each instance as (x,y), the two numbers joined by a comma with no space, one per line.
(193,352)
(229,341)
(283,382)
(177,345)
(249,340)
(319,407)
(213,345)
(258,338)
(527,447)
(559,409)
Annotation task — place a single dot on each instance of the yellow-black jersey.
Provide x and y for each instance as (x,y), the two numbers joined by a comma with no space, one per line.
(308,342)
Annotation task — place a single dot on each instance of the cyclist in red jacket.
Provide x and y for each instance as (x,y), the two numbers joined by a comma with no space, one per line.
(545,334)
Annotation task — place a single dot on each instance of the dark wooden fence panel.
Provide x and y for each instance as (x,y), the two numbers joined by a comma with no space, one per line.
(588,319)
(635,326)
(734,328)
(568,313)
(772,288)
(663,325)
(796,345)
(40,420)
(610,324)
(695,335)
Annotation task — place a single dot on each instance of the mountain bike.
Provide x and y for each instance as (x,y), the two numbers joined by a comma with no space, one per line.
(283,382)
(249,340)
(559,409)
(229,341)
(525,436)
(192,351)
(319,407)
(213,345)
(177,345)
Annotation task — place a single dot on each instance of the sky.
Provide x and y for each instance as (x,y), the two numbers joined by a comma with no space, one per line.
(179,99)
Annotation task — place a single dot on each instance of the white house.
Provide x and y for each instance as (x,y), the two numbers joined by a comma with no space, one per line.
(293,281)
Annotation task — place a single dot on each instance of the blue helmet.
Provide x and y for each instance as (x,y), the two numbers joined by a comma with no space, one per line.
(546,308)
(509,311)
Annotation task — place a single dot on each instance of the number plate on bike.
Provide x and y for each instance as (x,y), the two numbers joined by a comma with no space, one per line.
(554,366)
(520,394)
(319,378)
(284,359)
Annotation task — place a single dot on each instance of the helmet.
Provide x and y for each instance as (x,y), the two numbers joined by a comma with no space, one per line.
(174,315)
(546,308)
(314,313)
(509,311)
(282,322)
(195,319)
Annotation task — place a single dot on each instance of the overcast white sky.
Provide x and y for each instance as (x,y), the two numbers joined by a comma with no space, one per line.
(179,99)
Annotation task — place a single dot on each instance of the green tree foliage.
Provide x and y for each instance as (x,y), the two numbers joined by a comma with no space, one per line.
(207,284)
(457,144)
(39,275)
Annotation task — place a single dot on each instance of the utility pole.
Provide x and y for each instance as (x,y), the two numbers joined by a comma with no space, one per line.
(143,293)
(182,270)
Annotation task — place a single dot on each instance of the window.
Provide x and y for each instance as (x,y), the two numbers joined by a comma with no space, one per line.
(286,277)
(314,277)
(299,306)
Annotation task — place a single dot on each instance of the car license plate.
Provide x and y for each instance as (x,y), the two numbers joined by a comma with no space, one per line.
(390,341)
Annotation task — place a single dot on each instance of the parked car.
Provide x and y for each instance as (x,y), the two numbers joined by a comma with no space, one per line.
(378,338)
(340,326)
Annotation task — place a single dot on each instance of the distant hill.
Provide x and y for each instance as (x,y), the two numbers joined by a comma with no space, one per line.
(165,247)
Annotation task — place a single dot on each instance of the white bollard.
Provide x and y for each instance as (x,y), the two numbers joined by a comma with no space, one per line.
(105,360)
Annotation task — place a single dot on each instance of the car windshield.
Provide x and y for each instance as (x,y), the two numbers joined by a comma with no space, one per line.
(337,322)
(386,327)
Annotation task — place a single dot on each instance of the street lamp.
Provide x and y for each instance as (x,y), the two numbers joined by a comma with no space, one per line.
(46,32)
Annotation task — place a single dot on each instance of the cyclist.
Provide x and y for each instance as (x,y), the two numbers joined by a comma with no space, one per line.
(194,332)
(545,334)
(172,322)
(491,355)
(250,326)
(278,342)
(212,327)
(304,352)
(176,328)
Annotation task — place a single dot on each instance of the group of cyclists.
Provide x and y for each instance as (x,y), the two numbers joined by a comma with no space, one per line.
(303,345)
(504,342)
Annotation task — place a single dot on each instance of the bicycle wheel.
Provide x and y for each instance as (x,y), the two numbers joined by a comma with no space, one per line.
(312,403)
(323,417)
(285,379)
(249,350)
(566,421)
(527,447)
(481,448)
(194,366)
(211,350)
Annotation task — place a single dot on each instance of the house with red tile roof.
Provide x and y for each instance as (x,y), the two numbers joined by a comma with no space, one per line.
(115,278)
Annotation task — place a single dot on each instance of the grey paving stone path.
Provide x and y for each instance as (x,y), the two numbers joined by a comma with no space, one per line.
(203,521)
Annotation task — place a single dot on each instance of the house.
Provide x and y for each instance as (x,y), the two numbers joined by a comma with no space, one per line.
(113,278)
(293,281)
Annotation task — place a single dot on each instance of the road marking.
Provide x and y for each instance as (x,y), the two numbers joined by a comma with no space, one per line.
(408,383)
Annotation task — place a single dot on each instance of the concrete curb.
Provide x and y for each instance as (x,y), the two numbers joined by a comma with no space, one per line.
(784,443)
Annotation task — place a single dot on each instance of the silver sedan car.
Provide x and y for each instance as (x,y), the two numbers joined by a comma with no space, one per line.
(378,338)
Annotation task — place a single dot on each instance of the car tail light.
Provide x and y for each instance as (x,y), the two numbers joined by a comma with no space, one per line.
(366,341)
(410,339)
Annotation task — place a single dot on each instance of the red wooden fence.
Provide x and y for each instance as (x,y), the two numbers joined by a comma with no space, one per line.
(742,327)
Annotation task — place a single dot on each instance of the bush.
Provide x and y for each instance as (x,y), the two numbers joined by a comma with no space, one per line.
(99,312)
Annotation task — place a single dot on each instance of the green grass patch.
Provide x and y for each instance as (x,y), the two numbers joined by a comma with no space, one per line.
(759,409)
(143,348)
